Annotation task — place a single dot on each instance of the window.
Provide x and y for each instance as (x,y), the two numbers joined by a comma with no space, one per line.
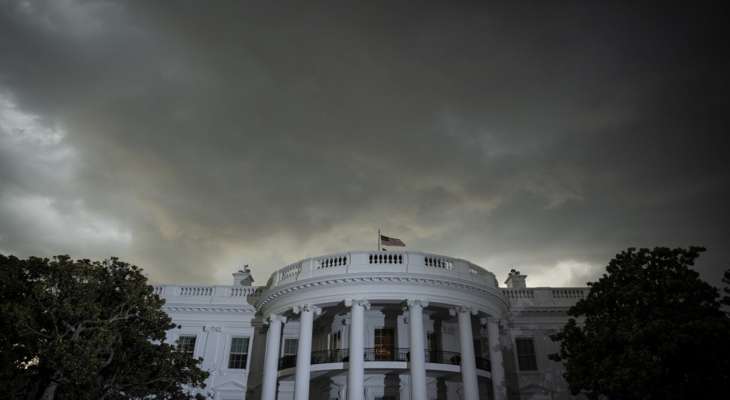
(239,353)
(290,347)
(289,353)
(186,344)
(336,340)
(481,347)
(526,354)
(433,342)
(384,344)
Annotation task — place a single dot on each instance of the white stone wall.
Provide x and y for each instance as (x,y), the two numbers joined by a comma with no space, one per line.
(538,313)
(214,315)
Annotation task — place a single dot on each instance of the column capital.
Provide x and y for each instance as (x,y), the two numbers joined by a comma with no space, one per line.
(462,309)
(416,303)
(359,302)
(501,323)
(307,308)
(212,328)
(275,318)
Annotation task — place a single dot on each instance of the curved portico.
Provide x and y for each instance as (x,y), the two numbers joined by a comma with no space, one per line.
(359,314)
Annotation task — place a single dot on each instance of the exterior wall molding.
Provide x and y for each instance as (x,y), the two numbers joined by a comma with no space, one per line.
(431,282)
(516,312)
(207,309)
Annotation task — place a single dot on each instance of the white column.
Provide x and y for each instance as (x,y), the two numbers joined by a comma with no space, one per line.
(495,358)
(418,352)
(304,351)
(271,360)
(468,361)
(356,373)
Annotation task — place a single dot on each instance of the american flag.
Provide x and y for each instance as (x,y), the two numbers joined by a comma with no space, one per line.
(390,241)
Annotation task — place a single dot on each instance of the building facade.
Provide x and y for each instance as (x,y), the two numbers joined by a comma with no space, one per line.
(374,325)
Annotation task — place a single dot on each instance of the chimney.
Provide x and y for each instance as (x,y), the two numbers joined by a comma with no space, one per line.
(515,280)
(243,277)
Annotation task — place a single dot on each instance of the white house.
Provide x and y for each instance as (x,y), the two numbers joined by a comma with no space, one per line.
(374,325)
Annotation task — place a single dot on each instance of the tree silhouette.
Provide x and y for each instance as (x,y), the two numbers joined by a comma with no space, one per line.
(648,329)
(86,330)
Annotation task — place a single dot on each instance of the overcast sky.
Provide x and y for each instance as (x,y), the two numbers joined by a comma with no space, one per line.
(193,137)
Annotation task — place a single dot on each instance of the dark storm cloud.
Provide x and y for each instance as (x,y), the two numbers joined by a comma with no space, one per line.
(192,138)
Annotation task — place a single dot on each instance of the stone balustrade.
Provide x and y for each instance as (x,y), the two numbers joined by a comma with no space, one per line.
(382,261)
(544,297)
(170,291)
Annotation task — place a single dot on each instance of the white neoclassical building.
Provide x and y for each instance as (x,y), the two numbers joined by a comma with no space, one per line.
(374,325)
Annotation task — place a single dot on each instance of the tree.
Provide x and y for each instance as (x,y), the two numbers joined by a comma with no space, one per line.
(726,281)
(87,330)
(648,329)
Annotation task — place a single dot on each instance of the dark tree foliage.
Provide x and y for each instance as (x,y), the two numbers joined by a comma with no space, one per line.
(726,289)
(77,329)
(648,329)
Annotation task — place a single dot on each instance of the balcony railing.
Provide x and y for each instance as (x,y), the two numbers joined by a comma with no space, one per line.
(483,364)
(329,356)
(387,354)
(288,362)
(443,357)
(382,354)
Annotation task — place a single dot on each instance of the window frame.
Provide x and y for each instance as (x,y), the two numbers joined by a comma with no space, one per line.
(283,346)
(526,362)
(245,353)
(334,341)
(194,344)
(384,343)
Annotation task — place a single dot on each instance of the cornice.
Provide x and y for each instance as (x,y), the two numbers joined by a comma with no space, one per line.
(209,309)
(538,310)
(269,296)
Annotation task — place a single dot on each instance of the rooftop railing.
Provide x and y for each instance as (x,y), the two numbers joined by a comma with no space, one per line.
(529,297)
(204,291)
(382,261)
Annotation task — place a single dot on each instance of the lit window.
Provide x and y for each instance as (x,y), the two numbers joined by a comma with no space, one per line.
(186,344)
(239,353)
(384,344)
(526,354)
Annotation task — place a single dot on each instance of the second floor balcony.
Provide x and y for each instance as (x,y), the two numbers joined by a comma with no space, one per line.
(382,354)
